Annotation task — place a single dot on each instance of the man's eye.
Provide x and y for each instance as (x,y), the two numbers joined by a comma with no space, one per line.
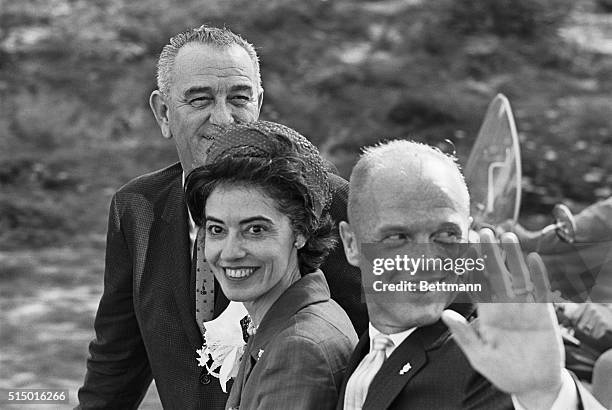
(200,101)
(240,100)
(395,238)
(447,237)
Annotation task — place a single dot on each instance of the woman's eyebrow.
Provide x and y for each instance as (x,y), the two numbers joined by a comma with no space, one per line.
(256,218)
(243,221)
(213,219)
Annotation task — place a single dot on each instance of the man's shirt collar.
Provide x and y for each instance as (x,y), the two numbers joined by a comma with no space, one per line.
(397,338)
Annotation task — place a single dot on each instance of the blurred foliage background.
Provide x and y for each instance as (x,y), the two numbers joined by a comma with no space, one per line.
(75,76)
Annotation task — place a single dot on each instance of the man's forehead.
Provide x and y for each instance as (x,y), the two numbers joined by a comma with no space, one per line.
(402,194)
(431,181)
(415,215)
(419,211)
(197,60)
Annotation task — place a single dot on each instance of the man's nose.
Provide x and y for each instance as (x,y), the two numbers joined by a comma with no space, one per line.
(427,249)
(221,114)
(232,248)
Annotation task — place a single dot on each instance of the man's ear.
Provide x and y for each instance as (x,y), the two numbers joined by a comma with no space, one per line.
(472,232)
(157,102)
(351,246)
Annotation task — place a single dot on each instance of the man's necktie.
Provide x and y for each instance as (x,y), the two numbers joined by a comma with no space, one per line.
(205,283)
(359,382)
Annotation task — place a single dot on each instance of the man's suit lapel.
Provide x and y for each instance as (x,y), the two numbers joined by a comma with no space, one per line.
(175,235)
(404,363)
(388,382)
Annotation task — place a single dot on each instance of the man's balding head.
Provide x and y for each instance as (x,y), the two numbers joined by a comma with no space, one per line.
(419,168)
(407,199)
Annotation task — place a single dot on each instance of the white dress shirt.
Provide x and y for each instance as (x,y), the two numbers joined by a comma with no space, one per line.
(193,228)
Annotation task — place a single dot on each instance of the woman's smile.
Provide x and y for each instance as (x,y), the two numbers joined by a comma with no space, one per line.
(239,273)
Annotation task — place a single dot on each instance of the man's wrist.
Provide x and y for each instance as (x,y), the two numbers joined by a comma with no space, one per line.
(538,399)
(564,396)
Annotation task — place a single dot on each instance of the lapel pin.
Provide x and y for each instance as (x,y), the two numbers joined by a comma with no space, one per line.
(405,369)
(259,354)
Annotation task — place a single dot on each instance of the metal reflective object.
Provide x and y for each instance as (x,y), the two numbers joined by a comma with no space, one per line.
(493,169)
(565,225)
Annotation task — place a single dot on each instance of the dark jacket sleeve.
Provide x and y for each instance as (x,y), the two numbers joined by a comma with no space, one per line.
(118,372)
(482,395)
(344,280)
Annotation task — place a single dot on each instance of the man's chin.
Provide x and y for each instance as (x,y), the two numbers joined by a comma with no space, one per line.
(405,316)
(199,155)
(427,315)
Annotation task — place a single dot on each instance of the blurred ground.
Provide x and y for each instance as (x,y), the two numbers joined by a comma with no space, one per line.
(48,299)
(74,121)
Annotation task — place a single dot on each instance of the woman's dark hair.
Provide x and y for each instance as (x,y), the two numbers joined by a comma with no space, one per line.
(280,175)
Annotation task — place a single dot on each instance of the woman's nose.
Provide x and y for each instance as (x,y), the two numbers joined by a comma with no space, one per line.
(232,248)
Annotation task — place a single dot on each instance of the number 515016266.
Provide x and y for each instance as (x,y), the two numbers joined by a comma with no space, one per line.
(35,396)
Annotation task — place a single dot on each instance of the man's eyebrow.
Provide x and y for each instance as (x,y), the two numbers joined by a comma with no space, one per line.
(391,227)
(208,90)
(398,228)
(451,225)
(241,87)
(379,232)
(197,90)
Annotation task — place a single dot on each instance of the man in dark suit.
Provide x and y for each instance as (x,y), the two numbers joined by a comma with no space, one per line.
(146,322)
(410,200)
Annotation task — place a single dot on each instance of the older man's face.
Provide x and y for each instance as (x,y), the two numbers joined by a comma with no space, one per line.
(420,216)
(210,88)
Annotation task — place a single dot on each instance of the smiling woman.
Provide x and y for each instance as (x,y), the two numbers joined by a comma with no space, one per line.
(262,198)
(251,246)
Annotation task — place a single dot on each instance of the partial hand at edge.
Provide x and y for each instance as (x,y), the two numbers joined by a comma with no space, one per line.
(515,343)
